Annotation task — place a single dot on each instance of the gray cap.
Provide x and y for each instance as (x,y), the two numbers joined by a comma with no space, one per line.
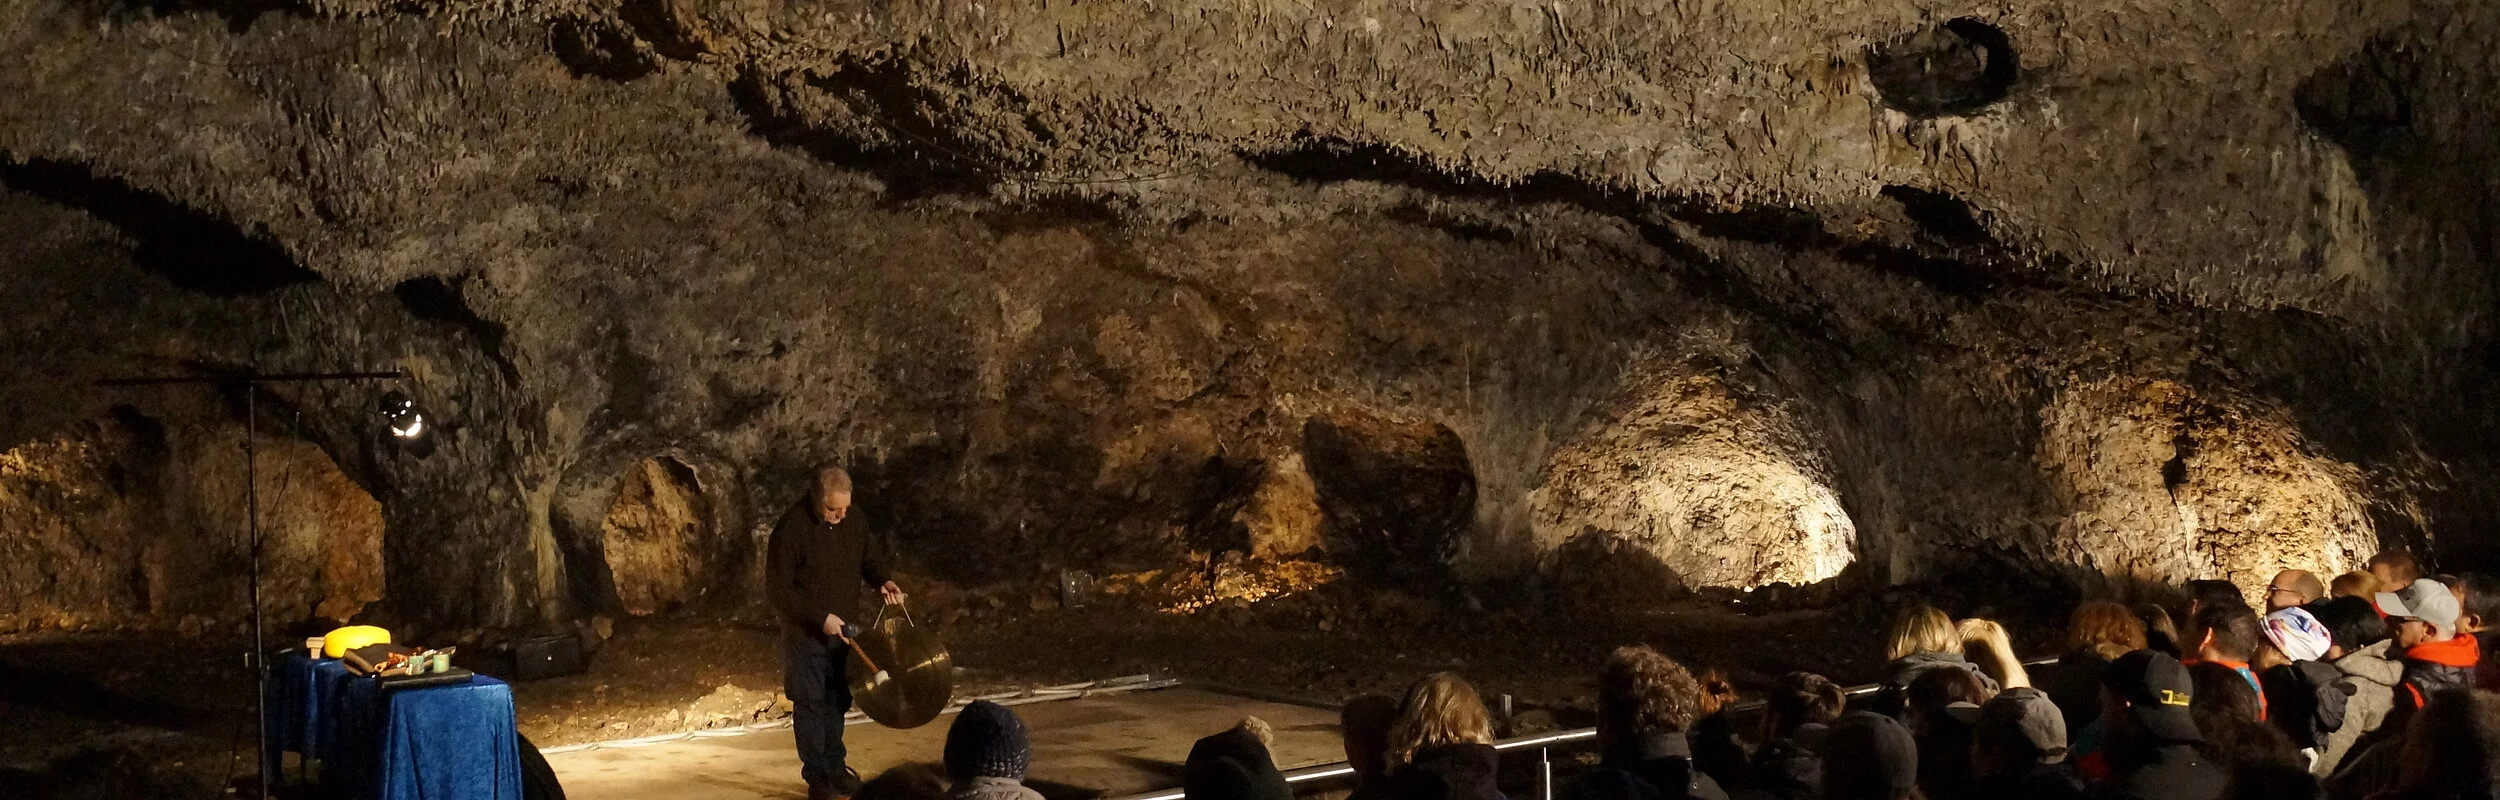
(2427,600)
(2018,714)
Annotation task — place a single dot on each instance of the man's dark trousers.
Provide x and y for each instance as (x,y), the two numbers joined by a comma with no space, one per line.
(816,676)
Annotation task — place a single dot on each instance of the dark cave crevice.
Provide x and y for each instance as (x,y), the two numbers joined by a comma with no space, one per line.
(2361,102)
(899,136)
(1397,498)
(194,249)
(434,299)
(597,48)
(239,15)
(1942,216)
(1955,69)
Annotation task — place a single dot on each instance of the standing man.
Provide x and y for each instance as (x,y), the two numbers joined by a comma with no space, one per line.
(815,569)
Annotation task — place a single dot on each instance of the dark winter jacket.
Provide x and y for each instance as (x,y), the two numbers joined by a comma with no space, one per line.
(1652,767)
(2175,772)
(1448,772)
(2431,667)
(1718,753)
(812,569)
(2374,680)
(2033,782)
(1784,771)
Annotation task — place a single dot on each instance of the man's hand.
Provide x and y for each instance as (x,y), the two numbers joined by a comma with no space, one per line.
(833,625)
(893,594)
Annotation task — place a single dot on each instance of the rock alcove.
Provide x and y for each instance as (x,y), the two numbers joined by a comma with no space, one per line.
(1766,293)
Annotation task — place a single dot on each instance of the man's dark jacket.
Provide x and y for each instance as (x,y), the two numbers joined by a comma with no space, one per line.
(812,569)
(1655,766)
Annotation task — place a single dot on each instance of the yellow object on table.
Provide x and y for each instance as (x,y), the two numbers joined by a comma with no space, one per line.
(338,642)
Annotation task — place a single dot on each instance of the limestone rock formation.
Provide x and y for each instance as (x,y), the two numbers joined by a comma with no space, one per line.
(1085,284)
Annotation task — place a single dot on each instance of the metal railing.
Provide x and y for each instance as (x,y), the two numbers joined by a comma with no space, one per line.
(1544,742)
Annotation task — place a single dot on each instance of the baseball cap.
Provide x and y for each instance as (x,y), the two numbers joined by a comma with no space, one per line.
(2158,689)
(2021,713)
(2426,600)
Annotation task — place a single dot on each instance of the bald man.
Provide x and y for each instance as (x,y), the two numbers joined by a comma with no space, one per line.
(820,561)
(2293,588)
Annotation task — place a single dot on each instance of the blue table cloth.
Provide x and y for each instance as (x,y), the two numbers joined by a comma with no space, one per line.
(438,743)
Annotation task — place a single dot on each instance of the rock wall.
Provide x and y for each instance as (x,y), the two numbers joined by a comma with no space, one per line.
(1910,287)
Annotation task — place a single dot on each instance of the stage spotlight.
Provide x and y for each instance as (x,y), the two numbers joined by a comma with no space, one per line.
(401,413)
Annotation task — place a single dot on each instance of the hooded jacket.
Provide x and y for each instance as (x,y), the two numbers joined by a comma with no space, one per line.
(2374,679)
(1785,771)
(1905,670)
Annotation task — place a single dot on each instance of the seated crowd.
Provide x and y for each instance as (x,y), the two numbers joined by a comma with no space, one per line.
(2373,686)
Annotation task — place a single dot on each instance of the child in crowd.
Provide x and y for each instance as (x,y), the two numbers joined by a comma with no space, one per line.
(986,754)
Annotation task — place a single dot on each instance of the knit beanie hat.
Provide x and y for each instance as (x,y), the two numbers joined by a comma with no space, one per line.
(987,741)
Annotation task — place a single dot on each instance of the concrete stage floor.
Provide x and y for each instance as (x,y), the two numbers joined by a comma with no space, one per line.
(1106,745)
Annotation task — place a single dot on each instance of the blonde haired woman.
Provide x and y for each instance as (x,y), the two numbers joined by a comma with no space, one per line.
(1922,639)
(1986,644)
(1442,744)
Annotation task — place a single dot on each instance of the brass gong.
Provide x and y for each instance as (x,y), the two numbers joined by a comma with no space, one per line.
(901,675)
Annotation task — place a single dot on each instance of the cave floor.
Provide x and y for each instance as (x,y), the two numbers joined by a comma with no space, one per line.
(86,706)
(1109,745)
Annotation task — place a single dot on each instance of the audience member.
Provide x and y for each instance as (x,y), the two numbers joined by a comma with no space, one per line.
(2394,568)
(1782,769)
(2305,697)
(2152,733)
(2354,584)
(1234,765)
(906,782)
(1944,739)
(2225,708)
(1718,749)
(2479,595)
(1923,639)
(2452,748)
(986,754)
(2096,633)
(2436,655)
(1986,644)
(2360,653)
(1441,747)
(2228,635)
(2160,631)
(1645,704)
(2204,594)
(1365,722)
(2293,588)
(2018,747)
(1866,756)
